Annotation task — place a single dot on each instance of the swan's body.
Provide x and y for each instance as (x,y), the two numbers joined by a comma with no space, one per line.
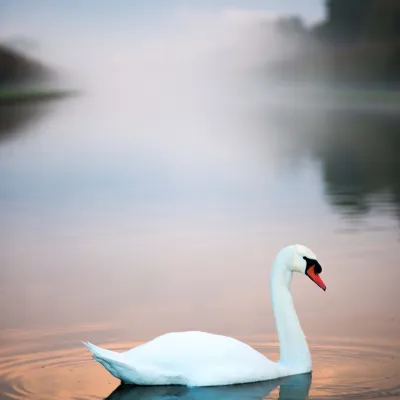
(190,359)
(204,359)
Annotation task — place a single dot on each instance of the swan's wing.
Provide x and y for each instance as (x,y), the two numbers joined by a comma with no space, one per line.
(189,358)
(113,362)
(139,373)
(205,359)
(102,353)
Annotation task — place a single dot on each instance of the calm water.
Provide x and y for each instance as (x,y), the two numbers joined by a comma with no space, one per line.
(117,226)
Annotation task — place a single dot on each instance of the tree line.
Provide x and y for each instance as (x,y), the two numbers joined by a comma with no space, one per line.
(358,42)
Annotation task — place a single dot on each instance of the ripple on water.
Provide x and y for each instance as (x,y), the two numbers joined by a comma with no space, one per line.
(358,370)
(48,367)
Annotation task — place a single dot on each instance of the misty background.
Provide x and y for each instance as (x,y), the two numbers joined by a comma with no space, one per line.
(192,123)
(154,158)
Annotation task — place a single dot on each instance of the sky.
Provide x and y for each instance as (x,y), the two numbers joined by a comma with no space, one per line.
(309,9)
(53,30)
(45,11)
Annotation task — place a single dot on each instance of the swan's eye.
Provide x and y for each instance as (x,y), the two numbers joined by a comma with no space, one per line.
(317,269)
(313,263)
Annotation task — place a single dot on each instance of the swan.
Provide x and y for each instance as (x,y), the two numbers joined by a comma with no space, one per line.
(197,359)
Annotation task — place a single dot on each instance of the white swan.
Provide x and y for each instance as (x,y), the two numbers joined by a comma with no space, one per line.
(203,359)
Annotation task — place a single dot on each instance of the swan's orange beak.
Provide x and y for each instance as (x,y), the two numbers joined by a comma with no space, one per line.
(314,276)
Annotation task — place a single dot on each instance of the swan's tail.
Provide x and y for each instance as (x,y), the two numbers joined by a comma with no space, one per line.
(98,352)
(114,363)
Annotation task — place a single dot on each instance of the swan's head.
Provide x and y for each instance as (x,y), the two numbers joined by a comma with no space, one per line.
(299,258)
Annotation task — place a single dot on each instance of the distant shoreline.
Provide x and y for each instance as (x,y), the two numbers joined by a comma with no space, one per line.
(16,97)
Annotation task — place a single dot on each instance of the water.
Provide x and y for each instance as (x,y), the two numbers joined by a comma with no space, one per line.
(119,250)
(56,369)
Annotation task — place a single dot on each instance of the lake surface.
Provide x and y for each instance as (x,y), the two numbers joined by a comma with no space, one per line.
(120,222)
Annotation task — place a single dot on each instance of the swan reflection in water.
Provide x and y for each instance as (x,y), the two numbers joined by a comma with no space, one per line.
(295,387)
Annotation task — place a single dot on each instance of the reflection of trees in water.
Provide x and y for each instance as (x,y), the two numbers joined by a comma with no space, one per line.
(15,118)
(360,161)
(358,153)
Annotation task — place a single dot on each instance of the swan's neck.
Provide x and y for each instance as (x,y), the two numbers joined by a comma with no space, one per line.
(294,352)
